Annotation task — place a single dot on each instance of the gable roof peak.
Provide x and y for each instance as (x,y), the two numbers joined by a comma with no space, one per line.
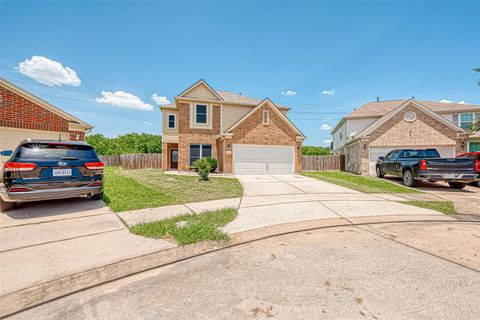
(196,84)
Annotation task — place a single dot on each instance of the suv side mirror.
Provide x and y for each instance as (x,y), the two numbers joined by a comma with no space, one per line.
(381,158)
(6,153)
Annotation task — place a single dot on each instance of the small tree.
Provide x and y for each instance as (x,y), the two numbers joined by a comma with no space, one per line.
(203,167)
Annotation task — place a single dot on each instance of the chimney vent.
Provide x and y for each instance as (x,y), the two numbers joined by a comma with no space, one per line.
(378,99)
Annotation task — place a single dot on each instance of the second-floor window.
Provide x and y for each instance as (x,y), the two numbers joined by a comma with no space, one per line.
(171,121)
(201,113)
(465,120)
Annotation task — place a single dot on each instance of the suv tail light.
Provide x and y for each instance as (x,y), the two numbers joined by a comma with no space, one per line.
(94,165)
(423,165)
(19,166)
(477,165)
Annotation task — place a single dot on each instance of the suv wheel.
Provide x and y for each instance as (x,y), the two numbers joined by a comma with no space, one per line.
(408,179)
(97,196)
(457,185)
(379,172)
(6,206)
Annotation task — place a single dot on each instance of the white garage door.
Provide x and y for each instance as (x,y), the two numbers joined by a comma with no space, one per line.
(10,137)
(260,159)
(376,152)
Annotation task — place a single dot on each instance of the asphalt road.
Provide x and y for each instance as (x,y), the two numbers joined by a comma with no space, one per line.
(391,271)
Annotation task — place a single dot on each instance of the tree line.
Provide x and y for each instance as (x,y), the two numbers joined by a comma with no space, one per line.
(126,143)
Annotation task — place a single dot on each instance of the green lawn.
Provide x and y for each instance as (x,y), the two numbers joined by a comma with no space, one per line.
(137,189)
(446,207)
(360,183)
(200,227)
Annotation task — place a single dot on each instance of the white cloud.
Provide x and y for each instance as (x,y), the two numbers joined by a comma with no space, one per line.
(450,101)
(330,92)
(325,126)
(148,123)
(289,93)
(160,100)
(124,100)
(49,72)
(327,141)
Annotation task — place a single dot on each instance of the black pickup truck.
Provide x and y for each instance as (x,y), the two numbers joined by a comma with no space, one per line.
(426,164)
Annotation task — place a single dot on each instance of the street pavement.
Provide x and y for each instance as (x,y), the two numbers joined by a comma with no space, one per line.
(390,271)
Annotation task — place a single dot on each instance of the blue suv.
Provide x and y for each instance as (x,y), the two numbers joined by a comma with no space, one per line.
(44,169)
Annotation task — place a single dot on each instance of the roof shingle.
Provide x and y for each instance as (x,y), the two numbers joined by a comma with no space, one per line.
(381,108)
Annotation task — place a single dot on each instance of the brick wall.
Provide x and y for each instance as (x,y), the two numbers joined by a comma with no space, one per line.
(277,132)
(21,113)
(187,135)
(73,135)
(18,112)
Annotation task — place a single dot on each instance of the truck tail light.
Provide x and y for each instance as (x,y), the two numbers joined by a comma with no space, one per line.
(19,166)
(94,165)
(96,184)
(423,165)
(19,189)
(477,165)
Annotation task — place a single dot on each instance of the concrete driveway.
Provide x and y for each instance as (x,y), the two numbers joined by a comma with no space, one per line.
(278,199)
(47,240)
(392,271)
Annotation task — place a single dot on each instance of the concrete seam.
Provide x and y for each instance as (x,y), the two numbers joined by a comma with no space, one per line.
(54,220)
(61,240)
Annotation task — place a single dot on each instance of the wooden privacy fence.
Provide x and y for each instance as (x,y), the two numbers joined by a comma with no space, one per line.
(323,163)
(134,161)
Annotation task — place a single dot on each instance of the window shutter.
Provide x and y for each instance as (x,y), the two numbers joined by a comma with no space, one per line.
(455,119)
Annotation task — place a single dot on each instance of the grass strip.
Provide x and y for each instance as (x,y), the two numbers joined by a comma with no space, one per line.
(199,227)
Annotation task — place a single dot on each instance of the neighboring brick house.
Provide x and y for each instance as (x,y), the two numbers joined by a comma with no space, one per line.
(23,115)
(245,135)
(376,128)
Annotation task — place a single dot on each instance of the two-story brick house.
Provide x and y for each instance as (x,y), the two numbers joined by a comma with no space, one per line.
(23,115)
(245,135)
(376,128)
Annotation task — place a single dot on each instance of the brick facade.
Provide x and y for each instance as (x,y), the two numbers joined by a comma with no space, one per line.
(397,133)
(19,112)
(252,131)
(187,135)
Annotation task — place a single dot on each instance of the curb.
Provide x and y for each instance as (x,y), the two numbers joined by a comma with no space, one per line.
(27,298)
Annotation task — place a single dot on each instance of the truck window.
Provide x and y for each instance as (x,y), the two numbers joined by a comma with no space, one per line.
(430,153)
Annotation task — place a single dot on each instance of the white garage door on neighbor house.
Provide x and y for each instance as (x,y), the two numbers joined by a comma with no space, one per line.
(376,152)
(261,159)
(10,138)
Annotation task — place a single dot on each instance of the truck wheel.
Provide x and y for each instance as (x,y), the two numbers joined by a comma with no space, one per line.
(457,185)
(6,206)
(379,172)
(97,196)
(408,179)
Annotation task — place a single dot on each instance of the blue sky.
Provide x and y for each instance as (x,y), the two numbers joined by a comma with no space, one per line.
(355,51)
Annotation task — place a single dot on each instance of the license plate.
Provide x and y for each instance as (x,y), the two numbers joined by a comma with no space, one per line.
(62,172)
(449,176)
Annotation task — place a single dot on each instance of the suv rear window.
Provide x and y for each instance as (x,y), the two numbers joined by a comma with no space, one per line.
(431,153)
(47,151)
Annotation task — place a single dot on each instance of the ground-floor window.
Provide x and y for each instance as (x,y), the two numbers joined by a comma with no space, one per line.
(198,151)
(474,146)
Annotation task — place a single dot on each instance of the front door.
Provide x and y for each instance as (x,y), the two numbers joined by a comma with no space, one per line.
(174,159)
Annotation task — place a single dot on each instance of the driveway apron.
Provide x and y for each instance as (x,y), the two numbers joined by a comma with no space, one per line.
(278,199)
